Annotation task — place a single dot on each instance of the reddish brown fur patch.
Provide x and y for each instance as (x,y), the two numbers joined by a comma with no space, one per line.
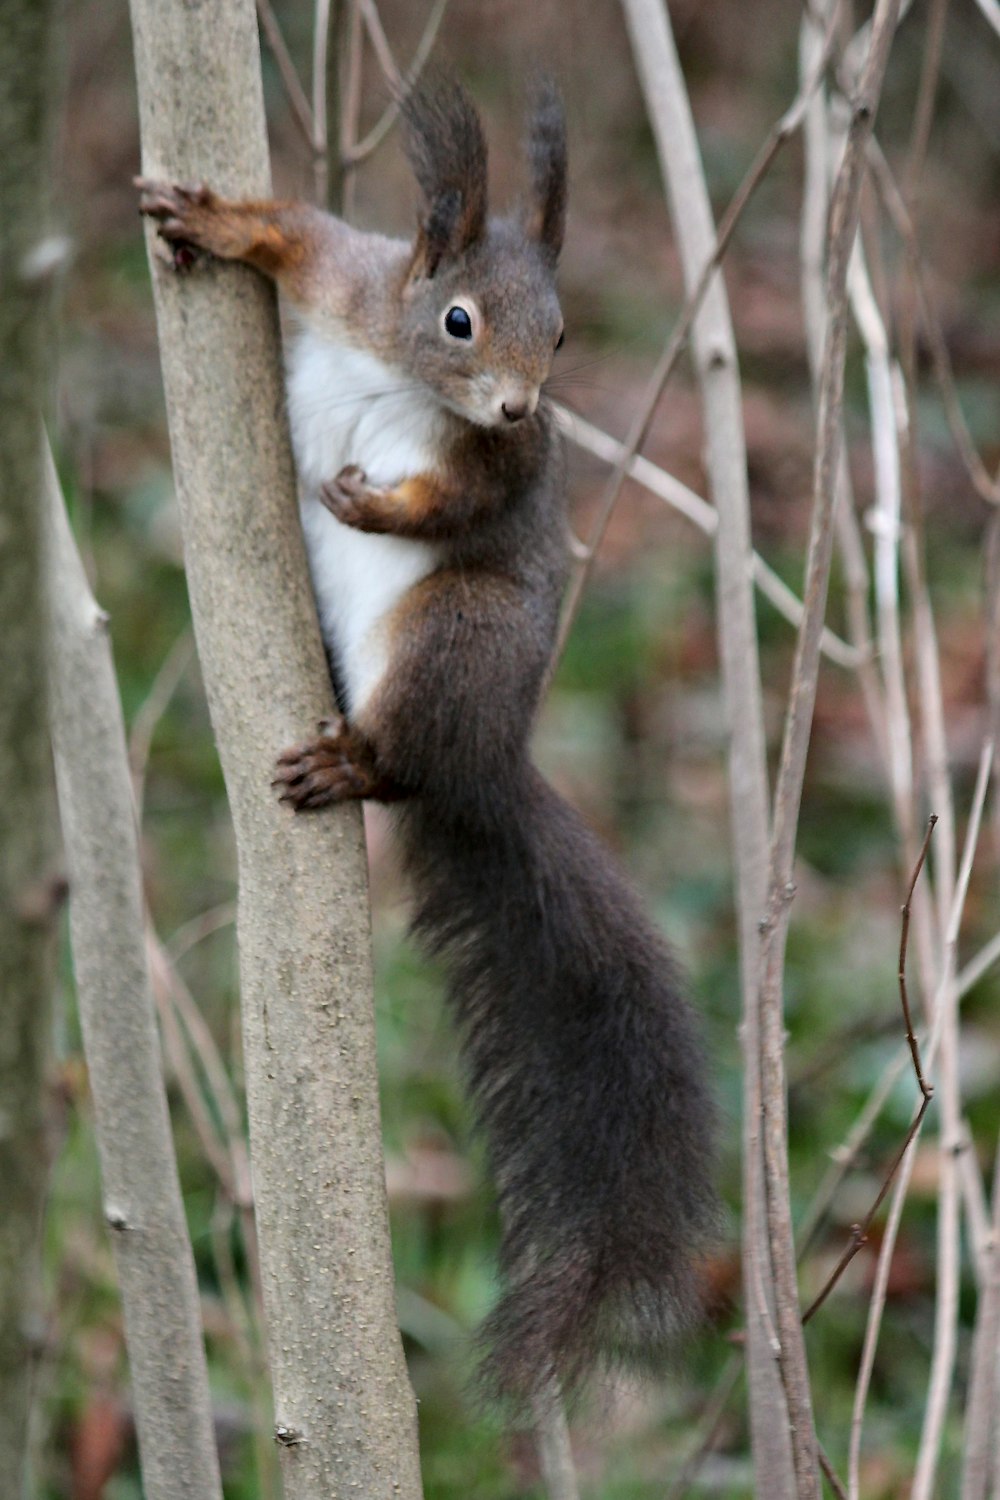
(420,497)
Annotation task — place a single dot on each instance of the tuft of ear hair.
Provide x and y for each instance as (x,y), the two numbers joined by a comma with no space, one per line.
(447,151)
(545,148)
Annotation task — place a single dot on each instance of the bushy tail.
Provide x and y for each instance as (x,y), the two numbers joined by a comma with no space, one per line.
(587,1076)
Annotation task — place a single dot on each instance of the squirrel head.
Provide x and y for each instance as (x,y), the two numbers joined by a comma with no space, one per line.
(480,315)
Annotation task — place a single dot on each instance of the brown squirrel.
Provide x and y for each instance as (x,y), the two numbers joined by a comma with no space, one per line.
(433,503)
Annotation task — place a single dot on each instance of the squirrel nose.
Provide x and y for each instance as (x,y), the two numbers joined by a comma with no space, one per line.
(514,410)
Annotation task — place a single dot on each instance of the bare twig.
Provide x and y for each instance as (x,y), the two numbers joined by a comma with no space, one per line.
(555,1455)
(978,966)
(350,101)
(876,1307)
(895,207)
(946,1028)
(991,612)
(982,1414)
(714,353)
(886,1249)
(885,524)
(151,711)
(321,67)
(301,111)
(860,1232)
(780,133)
(371,142)
(923,114)
(977,1211)
(189,934)
(830,1473)
(380,42)
(815,205)
(904,998)
(844,1155)
(843,225)
(677,495)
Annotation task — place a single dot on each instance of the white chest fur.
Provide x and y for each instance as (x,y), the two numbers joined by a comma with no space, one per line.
(347,407)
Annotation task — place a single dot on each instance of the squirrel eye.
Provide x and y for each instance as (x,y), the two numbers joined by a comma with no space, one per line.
(560,340)
(458,323)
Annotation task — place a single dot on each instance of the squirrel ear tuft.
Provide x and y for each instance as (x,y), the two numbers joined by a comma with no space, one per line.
(447,151)
(545,216)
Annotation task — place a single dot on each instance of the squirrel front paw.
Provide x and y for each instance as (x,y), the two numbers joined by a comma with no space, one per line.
(185,215)
(352,499)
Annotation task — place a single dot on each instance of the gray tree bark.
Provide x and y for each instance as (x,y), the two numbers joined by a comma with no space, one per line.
(27,892)
(344,1409)
(142,1198)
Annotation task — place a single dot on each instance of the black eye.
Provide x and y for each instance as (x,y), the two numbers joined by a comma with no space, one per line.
(560,340)
(458,323)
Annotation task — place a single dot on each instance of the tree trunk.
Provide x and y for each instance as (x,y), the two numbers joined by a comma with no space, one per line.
(28,895)
(142,1199)
(344,1409)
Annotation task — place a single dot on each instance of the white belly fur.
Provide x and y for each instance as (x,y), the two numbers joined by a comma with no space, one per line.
(347,407)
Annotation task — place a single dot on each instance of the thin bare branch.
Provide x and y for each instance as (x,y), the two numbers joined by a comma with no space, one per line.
(887,1247)
(978,966)
(151,711)
(296,94)
(982,1413)
(555,1454)
(371,142)
(818,151)
(844,1155)
(677,495)
(781,132)
(904,998)
(715,362)
(189,934)
(844,216)
(830,1473)
(991,613)
(380,42)
(320,112)
(895,207)
(350,101)
(923,114)
(948,1247)
(860,1232)
(843,225)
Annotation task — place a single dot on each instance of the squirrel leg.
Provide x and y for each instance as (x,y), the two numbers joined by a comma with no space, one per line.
(338,766)
(281,239)
(421,506)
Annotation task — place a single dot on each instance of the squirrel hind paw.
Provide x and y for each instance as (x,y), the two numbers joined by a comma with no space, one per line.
(313,775)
